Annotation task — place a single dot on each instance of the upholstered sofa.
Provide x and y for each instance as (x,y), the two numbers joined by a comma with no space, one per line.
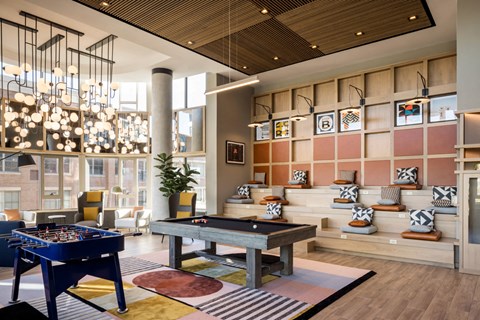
(27,216)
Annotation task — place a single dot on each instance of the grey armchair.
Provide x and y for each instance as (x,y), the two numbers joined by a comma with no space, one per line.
(90,209)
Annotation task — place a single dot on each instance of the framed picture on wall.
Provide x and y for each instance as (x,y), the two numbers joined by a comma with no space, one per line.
(350,119)
(281,128)
(263,133)
(325,122)
(408,114)
(235,152)
(442,108)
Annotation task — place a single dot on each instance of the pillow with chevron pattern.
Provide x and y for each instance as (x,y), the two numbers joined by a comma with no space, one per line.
(274,209)
(422,218)
(300,175)
(363,214)
(444,193)
(410,174)
(442,203)
(244,191)
(390,193)
(349,193)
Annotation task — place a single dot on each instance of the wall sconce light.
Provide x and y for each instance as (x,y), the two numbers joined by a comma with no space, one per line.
(360,94)
(424,98)
(256,124)
(300,117)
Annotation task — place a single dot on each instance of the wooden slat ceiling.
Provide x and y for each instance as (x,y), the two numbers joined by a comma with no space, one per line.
(235,33)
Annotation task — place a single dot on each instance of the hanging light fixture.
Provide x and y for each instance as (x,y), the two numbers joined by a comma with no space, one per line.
(424,97)
(256,124)
(302,117)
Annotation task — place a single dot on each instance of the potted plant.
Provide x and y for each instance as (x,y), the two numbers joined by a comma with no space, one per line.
(174,180)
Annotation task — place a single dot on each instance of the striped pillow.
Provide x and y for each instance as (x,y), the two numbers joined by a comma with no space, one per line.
(391,193)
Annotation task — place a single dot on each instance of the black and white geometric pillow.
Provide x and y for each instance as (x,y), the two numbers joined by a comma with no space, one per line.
(444,193)
(422,218)
(300,175)
(363,214)
(390,193)
(274,209)
(349,193)
(244,191)
(409,174)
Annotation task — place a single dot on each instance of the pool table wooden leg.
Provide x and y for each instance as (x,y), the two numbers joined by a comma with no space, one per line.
(175,252)
(286,256)
(254,268)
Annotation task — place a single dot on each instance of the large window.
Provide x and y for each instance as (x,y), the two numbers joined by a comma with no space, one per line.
(95,167)
(9,164)
(9,200)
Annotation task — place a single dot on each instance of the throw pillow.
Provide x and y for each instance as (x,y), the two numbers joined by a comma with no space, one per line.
(348,175)
(442,203)
(300,175)
(410,174)
(444,193)
(390,193)
(402,181)
(183,214)
(272,198)
(358,223)
(90,213)
(422,218)
(12,214)
(420,229)
(244,191)
(136,209)
(342,200)
(386,202)
(364,214)
(94,196)
(274,209)
(349,193)
(259,176)
(342,182)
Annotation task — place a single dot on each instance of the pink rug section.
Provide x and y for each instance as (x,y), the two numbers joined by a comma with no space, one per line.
(298,290)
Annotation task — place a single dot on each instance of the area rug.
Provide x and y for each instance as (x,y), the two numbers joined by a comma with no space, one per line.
(206,290)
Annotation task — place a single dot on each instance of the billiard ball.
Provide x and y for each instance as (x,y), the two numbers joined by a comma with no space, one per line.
(254,226)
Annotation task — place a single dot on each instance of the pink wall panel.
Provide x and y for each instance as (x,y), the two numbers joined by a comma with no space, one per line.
(349,146)
(377,173)
(324,148)
(408,142)
(280,151)
(261,153)
(407,164)
(352,166)
(442,139)
(280,175)
(305,167)
(324,174)
(441,172)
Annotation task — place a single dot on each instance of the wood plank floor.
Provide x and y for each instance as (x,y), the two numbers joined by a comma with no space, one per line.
(398,291)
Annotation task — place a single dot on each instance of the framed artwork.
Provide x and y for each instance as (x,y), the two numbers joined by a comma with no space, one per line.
(350,119)
(263,133)
(442,108)
(281,128)
(408,114)
(235,152)
(325,122)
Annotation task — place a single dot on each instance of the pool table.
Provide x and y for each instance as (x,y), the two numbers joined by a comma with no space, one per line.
(253,235)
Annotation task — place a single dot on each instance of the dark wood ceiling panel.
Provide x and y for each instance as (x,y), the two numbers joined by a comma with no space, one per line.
(235,33)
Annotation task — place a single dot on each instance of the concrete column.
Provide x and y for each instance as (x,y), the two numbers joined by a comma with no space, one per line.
(197,129)
(161,111)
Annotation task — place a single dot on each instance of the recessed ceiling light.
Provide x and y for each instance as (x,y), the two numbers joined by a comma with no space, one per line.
(359,33)
(313,46)
(104,4)
(264,11)
(276,58)
(244,67)
(190,42)
(411,18)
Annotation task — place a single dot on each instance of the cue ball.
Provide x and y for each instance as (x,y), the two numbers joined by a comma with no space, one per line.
(254,226)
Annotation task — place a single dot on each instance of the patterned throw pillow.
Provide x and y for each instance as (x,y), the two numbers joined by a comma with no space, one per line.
(349,193)
(364,214)
(300,175)
(274,209)
(244,191)
(348,175)
(442,203)
(390,193)
(444,193)
(409,174)
(422,218)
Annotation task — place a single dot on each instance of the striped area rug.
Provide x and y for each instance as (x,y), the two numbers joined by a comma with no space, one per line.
(132,265)
(253,304)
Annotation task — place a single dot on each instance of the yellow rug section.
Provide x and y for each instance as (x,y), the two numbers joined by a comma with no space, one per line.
(240,278)
(96,288)
(157,307)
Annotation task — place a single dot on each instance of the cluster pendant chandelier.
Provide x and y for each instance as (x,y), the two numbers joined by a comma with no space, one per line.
(44,92)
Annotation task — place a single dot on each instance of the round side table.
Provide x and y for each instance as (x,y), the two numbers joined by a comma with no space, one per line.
(52,218)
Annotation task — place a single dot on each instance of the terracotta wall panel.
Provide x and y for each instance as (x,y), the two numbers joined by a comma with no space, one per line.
(324,148)
(261,153)
(407,164)
(441,172)
(280,151)
(324,174)
(442,139)
(305,167)
(377,173)
(280,175)
(352,166)
(264,169)
(408,142)
(349,146)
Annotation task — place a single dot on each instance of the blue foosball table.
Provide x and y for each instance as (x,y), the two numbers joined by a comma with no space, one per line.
(76,250)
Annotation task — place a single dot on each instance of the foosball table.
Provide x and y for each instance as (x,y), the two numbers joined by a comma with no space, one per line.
(79,251)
